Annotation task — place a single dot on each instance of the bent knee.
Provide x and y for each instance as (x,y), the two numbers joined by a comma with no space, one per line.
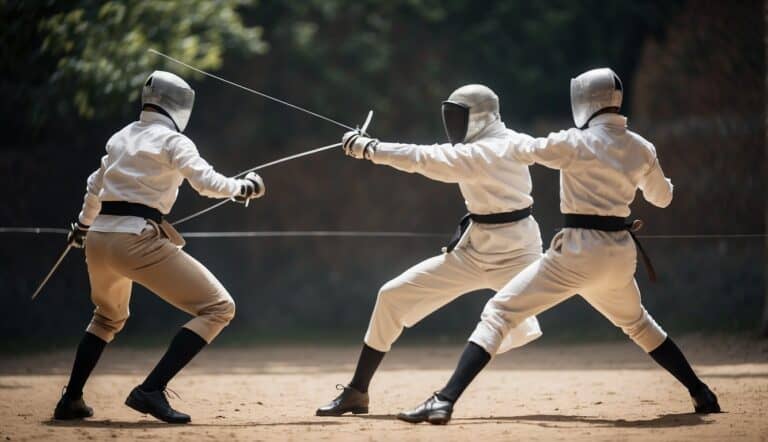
(645,332)
(221,312)
(106,329)
(389,293)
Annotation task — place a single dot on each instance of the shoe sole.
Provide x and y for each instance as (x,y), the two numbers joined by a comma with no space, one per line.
(707,409)
(438,418)
(71,418)
(138,406)
(356,410)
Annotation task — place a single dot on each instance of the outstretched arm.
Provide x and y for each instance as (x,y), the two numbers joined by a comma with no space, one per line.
(556,151)
(442,162)
(201,176)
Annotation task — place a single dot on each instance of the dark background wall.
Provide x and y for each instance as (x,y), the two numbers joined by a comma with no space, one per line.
(695,76)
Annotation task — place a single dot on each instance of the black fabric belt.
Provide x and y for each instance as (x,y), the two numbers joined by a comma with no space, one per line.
(124,208)
(493,218)
(612,224)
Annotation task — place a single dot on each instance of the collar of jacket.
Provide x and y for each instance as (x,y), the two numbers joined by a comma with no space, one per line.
(495,129)
(157,118)
(609,119)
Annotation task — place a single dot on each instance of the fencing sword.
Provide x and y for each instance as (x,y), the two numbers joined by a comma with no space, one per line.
(253,91)
(262,166)
(53,269)
(362,129)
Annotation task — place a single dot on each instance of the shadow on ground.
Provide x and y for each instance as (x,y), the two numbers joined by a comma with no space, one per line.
(552,420)
(108,423)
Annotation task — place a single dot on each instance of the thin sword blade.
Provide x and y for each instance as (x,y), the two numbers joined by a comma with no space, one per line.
(364,129)
(50,273)
(253,91)
(253,169)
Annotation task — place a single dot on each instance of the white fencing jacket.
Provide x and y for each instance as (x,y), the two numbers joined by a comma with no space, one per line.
(146,162)
(601,167)
(490,180)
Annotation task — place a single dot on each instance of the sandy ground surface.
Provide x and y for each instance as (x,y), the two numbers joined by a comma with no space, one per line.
(608,391)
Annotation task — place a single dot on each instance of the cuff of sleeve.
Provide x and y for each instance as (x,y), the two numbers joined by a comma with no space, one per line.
(382,153)
(84,221)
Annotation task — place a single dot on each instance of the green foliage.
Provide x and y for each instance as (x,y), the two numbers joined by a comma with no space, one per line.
(95,57)
(401,54)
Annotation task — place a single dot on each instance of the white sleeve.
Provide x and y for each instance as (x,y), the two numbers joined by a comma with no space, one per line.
(91,202)
(556,151)
(185,158)
(657,189)
(442,162)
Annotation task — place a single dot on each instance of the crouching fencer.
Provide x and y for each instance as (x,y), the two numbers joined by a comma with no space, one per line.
(602,164)
(495,241)
(127,240)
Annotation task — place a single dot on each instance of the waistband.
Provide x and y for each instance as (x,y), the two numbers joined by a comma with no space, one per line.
(597,222)
(612,224)
(493,218)
(503,217)
(124,208)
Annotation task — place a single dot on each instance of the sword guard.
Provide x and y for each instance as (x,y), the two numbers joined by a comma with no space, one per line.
(364,130)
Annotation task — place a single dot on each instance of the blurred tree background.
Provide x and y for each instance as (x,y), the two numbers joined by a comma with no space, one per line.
(694,72)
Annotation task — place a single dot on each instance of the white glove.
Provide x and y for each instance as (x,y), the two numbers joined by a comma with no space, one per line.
(251,187)
(357,146)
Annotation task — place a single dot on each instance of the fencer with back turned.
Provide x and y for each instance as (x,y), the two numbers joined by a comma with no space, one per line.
(127,240)
(602,164)
(495,241)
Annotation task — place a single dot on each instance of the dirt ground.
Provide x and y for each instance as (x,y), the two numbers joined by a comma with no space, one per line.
(608,391)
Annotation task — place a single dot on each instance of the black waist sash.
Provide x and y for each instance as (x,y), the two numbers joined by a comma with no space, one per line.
(612,224)
(493,218)
(124,208)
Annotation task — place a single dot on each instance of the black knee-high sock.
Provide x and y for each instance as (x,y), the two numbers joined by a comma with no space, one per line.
(366,367)
(88,354)
(671,358)
(184,346)
(472,361)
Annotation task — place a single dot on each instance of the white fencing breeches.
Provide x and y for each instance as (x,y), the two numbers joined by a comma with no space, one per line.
(599,266)
(435,282)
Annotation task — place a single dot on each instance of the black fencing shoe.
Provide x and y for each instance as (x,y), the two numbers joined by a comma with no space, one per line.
(704,401)
(68,409)
(350,400)
(434,410)
(156,404)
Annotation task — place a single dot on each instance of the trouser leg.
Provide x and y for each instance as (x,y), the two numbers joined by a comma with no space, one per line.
(185,283)
(151,260)
(419,291)
(623,307)
(528,330)
(110,290)
(110,293)
(540,286)
(405,300)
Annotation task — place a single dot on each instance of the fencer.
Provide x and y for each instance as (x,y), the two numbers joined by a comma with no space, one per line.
(127,240)
(496,240)
(602,164)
